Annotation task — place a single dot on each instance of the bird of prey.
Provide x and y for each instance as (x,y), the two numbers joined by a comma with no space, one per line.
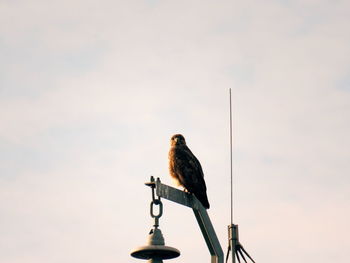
(186,170)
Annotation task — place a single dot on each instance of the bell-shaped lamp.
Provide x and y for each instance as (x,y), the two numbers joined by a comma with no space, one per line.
(155,251)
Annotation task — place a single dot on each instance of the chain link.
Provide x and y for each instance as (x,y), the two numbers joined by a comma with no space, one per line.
(160,212)
(155,202)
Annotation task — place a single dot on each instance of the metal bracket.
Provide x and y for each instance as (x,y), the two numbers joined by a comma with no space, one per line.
(189,200)
(235,246)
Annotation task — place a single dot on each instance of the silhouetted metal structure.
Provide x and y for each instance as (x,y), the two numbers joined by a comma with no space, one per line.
(155,251)
(235,246)
(164,191)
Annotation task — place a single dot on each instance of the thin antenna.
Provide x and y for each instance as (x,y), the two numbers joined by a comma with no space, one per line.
(234,246)
(231,173)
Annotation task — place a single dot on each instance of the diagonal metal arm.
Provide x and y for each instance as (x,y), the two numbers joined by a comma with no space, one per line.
(189,200)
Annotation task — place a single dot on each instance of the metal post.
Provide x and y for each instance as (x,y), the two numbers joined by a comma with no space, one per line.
(237,250)
(233,238)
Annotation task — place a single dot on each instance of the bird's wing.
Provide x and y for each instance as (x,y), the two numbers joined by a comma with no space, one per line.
(189,170)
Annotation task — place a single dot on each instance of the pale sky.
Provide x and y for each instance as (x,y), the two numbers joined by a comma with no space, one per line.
(92,91)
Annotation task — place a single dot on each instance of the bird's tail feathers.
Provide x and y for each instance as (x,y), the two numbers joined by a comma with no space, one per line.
(202,197)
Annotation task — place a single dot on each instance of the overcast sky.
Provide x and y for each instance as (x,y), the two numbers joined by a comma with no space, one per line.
(92,91)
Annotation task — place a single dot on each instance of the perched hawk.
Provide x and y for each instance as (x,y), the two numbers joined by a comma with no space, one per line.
(185,168)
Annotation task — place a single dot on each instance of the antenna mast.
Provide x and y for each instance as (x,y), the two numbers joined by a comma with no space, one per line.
(234,246)
(231,172)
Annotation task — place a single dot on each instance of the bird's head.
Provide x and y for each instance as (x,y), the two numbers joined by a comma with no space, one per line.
(177,139)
